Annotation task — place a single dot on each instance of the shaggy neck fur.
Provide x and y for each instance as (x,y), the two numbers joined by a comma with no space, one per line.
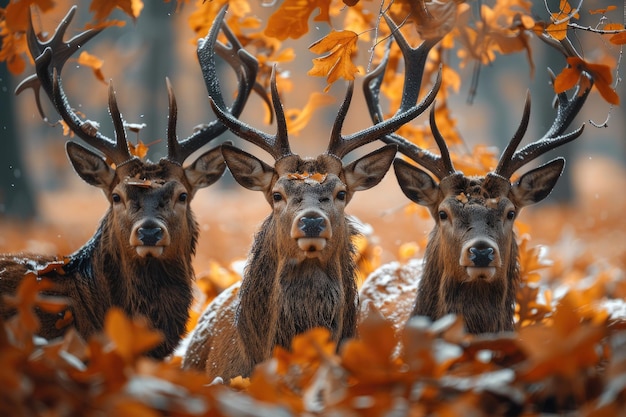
(155,288)
(485,307)
(280,299)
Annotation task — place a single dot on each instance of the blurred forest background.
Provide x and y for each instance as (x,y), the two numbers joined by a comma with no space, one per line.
(45,207)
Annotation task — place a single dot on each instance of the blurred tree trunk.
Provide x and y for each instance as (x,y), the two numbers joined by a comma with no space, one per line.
(155,26)
(16,195)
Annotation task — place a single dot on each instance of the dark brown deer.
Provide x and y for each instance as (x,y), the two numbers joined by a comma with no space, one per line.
(140,257)
(300,272)
(470,266)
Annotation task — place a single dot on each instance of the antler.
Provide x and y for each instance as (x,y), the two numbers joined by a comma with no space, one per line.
(441,165)
(51,55)
(414,61)
(238,58)
(567,109)
(339,145)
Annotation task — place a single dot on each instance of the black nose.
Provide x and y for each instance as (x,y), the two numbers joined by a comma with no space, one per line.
(481,257)
(312,226)
(150,236)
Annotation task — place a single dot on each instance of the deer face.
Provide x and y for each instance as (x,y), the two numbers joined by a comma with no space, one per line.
(150,211)
(308,196)
(474,216)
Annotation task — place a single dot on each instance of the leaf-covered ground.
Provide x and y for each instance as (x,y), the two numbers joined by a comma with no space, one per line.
(568,354)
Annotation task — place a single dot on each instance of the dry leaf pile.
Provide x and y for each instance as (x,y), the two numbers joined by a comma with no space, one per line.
(568,355)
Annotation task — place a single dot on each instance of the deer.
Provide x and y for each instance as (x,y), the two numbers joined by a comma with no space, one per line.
(470,266)
(300,271)
(140,257)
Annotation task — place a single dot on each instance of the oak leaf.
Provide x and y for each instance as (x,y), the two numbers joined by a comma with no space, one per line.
(339,47)
(291,18)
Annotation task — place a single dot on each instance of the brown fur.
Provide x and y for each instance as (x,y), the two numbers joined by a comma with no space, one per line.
(284,292)
(474,209)
(108,271)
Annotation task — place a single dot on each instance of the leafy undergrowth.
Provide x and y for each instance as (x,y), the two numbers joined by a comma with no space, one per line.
(568,354)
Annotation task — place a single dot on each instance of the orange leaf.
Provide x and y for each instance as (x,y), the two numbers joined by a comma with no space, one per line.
(601,75)
(103,8)
(16,13)
(557,31)
(339,46)
(27,298)
(297,119)
(602,11)
(567,79)
(291,18)
(618,38)
(132,337)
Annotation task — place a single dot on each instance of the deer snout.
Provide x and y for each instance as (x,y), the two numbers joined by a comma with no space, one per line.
(480,257)
(311,231)
(149,238)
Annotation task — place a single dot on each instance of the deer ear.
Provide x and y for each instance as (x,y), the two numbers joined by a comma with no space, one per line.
(91,167)
(416,184)
(207,169)
(366,172)
(249,171)
(537,184)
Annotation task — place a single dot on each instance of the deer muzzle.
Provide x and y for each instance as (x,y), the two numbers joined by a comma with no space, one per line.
(311,231)
(481,258)
(149,238)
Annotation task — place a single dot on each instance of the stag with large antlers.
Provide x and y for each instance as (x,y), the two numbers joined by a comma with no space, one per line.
(300,272)
(470,267)
(140,257)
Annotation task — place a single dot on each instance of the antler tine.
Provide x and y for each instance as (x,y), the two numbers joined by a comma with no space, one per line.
(414,63)
(276,145)
(444,163)
(240,60)
(414,59)
(61,52)
(567,109)
(120,153)
(508,153)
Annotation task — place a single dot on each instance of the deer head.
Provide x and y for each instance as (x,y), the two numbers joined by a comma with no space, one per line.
(309,194)
(149,210)
(471,261)
(301,272)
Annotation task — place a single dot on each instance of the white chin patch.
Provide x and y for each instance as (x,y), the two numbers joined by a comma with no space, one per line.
(145,251)
(476,272)
(311,246)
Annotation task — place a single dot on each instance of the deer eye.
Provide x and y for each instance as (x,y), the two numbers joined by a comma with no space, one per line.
(116,198)
(443,215)
(182,197)
(510,215)
(341,195)
(277,196)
